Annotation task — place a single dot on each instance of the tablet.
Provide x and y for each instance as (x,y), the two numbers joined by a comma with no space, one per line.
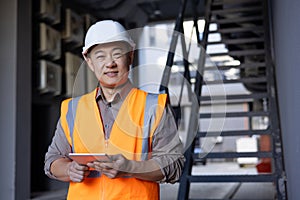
(84,158)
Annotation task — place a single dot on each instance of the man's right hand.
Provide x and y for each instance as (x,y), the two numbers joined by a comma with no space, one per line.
(77,172)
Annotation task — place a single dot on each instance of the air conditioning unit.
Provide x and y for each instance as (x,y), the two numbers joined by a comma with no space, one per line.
(50,11)
(49,77)
(50,42)
(75,77)
(74,28)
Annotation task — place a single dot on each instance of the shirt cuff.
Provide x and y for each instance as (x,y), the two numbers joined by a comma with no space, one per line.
(48,163)
(163,171)
(171,167)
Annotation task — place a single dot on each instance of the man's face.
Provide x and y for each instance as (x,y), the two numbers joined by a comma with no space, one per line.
(110,62)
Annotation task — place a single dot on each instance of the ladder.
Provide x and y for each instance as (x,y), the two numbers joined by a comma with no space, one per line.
(243,27)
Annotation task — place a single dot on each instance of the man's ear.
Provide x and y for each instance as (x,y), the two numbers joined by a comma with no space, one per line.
(130,57)
(90,63)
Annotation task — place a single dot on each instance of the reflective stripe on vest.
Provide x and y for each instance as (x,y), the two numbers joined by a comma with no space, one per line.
(151,104)
(71,115)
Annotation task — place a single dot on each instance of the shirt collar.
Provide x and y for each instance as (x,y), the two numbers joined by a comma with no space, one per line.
(121,95)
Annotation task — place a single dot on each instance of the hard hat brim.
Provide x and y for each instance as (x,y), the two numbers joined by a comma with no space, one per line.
(86,48)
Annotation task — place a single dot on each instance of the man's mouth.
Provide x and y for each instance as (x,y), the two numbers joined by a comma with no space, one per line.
(111,74)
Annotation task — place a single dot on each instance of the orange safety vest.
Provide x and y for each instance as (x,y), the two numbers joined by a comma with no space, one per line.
(131,135)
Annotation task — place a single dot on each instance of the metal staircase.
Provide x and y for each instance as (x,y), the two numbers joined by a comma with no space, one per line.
(243,29)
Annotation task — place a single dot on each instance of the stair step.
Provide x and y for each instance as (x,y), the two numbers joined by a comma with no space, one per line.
(234,97)
(237,41)
(260,154)
(237,20)
(241,80)
(256,29)
(232,178)
(240,53)
(234,10)
(243,65)
(234,133)
(233,114)
(218,3)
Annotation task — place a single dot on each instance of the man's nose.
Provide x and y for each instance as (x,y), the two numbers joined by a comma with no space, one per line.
(110,62)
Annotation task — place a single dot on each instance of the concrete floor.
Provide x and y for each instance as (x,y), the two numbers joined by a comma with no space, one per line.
(247,191)
(237,191)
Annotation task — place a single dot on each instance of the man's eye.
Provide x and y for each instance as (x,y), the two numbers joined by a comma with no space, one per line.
(117,55)
(101,57)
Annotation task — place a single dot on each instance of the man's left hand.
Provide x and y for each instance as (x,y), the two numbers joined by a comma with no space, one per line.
(119,167)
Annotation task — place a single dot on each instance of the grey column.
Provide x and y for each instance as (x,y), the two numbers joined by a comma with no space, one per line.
(15,106)
(287,54)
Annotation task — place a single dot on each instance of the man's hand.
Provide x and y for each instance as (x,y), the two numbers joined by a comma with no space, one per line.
(76,172)
(119,166)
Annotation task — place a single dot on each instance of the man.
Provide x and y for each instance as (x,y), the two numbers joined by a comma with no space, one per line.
(136,129)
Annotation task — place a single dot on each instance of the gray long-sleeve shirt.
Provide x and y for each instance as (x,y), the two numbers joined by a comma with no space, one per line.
(167,147)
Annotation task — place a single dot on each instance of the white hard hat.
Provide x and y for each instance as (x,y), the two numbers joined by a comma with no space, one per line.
(105,31)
